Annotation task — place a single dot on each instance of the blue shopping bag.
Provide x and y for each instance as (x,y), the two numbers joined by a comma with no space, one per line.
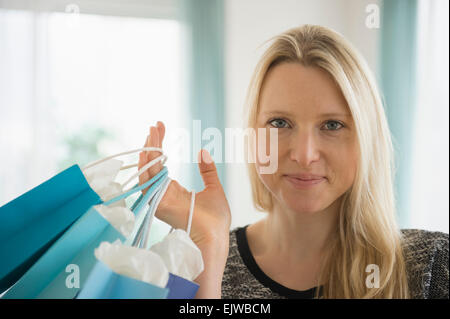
(33,221)
(180,288)
(47,277)
(103,283)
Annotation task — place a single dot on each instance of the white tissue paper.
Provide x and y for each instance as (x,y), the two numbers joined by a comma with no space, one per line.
(121,218)
(101,175)
(139,264)
(180,254)
(110,191)
(101,179)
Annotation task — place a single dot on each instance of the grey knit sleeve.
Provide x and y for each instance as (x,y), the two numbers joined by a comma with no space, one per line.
(439,270)
(426,256)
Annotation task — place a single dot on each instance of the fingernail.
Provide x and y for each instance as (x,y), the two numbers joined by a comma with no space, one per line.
(206,157)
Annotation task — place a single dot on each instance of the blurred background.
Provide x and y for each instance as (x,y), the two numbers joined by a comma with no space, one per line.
(80,80)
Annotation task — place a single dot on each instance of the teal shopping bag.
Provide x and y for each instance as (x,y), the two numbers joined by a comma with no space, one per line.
(33,221)
(179,287)
(48,277)
(103,283)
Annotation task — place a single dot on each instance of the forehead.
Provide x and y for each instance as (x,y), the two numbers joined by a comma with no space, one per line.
(297,89)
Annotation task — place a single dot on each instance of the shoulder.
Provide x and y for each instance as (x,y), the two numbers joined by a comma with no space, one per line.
(426,257)
(236,273)
(234,257)
(238,281)
(420,245)
(425,238)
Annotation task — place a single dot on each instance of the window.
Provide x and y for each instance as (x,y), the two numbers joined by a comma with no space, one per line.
(77,87)
(430,201)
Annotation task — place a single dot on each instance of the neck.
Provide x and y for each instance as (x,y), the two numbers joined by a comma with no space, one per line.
(298,237)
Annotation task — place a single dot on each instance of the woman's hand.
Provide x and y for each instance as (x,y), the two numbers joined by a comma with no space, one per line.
(211,219)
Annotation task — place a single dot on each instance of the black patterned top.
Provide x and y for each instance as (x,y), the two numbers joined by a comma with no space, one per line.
(426,254)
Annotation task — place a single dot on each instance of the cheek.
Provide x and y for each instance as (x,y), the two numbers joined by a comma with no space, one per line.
(270,140)
(267,180)
(343,163)
(273,184)
(268,148)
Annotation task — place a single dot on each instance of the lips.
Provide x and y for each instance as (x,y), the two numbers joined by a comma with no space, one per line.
(304,181)
(305,177)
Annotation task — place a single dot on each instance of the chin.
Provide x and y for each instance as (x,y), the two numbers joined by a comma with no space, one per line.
(302,203)
(304,209)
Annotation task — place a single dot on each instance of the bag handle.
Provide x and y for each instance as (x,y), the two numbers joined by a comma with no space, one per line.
(144,229)
(125,193)
(191,213)
(147,223)
(161,158)
(155,149)
(156,180)
(143,200)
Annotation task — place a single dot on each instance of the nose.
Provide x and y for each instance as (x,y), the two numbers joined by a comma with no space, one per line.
(304,148)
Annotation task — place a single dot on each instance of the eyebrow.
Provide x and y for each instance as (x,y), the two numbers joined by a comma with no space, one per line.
(321,115)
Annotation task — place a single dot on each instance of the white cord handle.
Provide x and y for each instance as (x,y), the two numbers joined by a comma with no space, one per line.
(161,158)
(191,213)
(152,210)
(155,149)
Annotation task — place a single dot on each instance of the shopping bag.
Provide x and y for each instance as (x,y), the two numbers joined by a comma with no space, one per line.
(103,283)
(181,256)
(130,263)
(149,270)
(180,288)
(30,223)
(46,277)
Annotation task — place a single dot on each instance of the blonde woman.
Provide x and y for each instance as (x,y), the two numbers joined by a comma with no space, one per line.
(330,231)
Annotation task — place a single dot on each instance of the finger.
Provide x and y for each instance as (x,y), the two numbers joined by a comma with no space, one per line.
(153,141)
(141,161)
(144,177)
(162,132)
(208,169)
(143,155)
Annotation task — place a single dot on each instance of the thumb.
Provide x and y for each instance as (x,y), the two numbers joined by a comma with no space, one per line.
(208,169)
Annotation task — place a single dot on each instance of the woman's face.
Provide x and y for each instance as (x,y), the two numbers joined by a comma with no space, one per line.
(317,145)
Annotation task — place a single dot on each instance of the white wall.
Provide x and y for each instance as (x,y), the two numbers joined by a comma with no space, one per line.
(248,23)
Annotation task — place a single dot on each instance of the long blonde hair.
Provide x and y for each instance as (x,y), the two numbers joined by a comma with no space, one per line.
(367,231)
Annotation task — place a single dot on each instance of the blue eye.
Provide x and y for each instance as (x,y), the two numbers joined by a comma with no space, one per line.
(278,123)
(333,126)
